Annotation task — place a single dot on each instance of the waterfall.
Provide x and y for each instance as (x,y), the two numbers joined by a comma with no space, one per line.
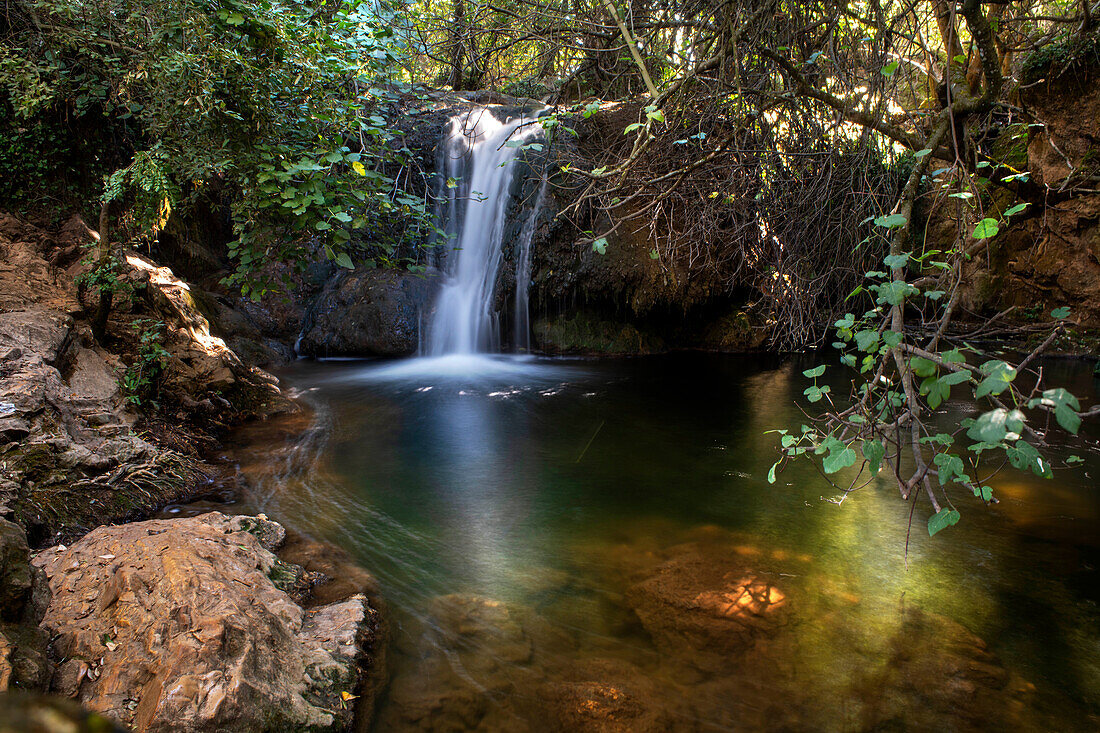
(477,176)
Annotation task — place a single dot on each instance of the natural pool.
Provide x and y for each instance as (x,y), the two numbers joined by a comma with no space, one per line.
(593,545)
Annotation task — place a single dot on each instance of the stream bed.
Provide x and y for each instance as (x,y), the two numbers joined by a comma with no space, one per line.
(593,545)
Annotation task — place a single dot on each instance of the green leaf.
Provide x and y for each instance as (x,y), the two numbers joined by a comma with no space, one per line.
(995,425)
(922,153)
(600,245)
(986,229)
(891,221)
(344,261)
(950,468)
(866,340)
(838,459)
(771,473)
(873,451)
(1060,313)
(1000,375)
(953,378)
(1017,208)
(817,371)
(896,261)
(813,393)
(941,520)
(889,69)
(922,367)
(895,292)
(1026,457)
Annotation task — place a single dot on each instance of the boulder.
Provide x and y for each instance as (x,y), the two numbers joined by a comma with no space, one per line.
(178,625)
(707,607)
(375,312)
(25,713)
(23,598)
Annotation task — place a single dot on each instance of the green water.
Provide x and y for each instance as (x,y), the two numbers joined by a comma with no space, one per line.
(561,543)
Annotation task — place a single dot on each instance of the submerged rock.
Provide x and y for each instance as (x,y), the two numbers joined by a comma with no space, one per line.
(477,661)
(608,696)
(706,608)
(375,312)
(171,625)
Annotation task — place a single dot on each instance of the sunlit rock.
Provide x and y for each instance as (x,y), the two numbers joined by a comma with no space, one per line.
(180,624)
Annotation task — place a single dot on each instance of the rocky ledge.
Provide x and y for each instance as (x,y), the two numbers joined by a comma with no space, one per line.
(191,624)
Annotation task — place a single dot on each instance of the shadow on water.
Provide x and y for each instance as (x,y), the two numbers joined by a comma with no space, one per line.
(593,545)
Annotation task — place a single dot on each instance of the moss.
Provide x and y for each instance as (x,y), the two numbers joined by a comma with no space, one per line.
(1010,147)
(584,334)
(1075,51)
(58,503)
(734,332)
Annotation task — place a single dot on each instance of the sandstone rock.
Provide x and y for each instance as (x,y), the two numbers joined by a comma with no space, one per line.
(706,608)
(175,625)
(43,332)
(374,312)
(27,280)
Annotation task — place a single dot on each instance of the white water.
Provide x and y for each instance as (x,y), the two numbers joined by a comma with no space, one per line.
(477,162)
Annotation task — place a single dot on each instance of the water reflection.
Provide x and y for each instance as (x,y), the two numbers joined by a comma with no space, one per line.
(570,545)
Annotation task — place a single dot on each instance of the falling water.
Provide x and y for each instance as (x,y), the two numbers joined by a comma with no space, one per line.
(523,274)
(478,174)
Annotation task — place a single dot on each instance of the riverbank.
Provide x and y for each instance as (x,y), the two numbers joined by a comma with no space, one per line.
(97,432)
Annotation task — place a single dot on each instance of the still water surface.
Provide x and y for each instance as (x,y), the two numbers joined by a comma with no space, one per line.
(593,545)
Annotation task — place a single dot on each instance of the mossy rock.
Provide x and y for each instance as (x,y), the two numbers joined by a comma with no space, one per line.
(585,334)
(1010,147)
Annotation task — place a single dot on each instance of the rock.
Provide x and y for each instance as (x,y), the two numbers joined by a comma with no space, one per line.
(708,607)
(22,713)
(375,312)
(606,696)
(43,332)
(27,279)
(170,625)
(94,377)
(478,659)
(23,598)
(15,570)
(13,429)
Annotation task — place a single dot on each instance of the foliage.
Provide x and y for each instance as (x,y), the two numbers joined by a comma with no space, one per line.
(142,378)
(280,102)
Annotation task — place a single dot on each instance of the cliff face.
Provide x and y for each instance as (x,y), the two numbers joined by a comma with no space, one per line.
(1051,256)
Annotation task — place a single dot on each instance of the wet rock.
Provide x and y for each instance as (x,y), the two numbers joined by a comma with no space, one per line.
(368,312)
(707,607)
(177,625)
(607,696)
(477,661)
